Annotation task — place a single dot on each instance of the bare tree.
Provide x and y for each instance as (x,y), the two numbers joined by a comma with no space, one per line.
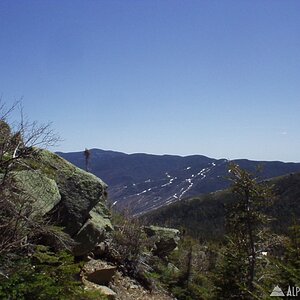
(19,223)
(21,140)
(87,155)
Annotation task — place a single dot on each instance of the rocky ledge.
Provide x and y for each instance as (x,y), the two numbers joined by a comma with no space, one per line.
(70,197)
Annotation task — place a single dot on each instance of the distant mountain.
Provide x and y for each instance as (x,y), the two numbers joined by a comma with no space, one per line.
(143,182)
(203,216)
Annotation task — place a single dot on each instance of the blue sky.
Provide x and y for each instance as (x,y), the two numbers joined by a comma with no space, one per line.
(218,78)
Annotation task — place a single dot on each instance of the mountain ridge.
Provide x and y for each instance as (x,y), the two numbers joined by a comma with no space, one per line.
(142,182)
(203,216)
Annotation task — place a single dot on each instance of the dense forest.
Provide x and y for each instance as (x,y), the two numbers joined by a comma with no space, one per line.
(203,217)
(240,243)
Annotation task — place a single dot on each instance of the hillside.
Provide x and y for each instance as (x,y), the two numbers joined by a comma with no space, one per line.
(59,240)
(143,182)
(203,216)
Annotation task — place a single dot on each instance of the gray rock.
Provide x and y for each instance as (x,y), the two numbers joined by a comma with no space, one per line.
(98,271)
(104,290)
(102,276)
(68,196)
(107,292)
(92,233)
(81,210)
(40,191)
(165,239)
(80,191)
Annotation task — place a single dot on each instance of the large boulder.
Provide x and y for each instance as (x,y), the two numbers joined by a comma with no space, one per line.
(69,196)
(94,230)
(165,239)
(98,271)
(80,191)
(41,191)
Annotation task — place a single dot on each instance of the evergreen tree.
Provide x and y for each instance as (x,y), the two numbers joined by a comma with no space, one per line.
(289,267)
(241,261)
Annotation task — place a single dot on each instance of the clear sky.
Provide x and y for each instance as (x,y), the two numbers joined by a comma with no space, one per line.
(218,78)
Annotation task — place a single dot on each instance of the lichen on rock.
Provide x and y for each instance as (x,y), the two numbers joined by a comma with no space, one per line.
(165,239)
(68,196)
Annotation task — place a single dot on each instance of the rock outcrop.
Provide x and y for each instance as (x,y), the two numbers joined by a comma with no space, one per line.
(69,196)
(98,271)
(104,290)
(165,239)
(42,191)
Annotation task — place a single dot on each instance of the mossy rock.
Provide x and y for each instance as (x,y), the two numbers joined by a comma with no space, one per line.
(40,191)
(165,239)
(93,231)
(80,191)
(163,232)
(68,196)
(82,210)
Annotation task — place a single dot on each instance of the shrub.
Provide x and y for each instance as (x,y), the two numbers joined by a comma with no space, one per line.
(46,275)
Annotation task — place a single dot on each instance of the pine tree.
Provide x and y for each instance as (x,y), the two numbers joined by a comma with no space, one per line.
(240,264)
(289,268)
